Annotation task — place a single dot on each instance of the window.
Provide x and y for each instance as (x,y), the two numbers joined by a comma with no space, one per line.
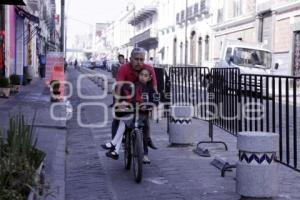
(228,54)
(178,18)
(206,48)
(220,14)
(193,48)
(237,8)
(252,58)
(182,16)
(174,51)
(150,20)
(200,51)
(181,52)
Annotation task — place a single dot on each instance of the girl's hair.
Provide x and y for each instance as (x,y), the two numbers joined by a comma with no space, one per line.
(150,75)
(147,71)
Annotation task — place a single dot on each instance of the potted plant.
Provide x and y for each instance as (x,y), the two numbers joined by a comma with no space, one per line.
(19,160)
(4,87)
(54,91)
(15,82)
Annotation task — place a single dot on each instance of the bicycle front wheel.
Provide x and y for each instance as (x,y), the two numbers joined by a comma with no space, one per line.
(127,152)
(137,147)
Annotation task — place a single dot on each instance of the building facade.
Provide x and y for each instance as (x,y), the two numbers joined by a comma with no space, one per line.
(145,23)
(186,26)
(26,31)
(275,23)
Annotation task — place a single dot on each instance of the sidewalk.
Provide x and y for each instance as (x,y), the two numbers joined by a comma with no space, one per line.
(179,173)
(34,98)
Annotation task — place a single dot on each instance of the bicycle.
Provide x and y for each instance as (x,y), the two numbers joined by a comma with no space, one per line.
(133,148)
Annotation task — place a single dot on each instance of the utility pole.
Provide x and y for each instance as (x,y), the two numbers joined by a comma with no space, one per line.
(62,26)
(135,44)
(185,34)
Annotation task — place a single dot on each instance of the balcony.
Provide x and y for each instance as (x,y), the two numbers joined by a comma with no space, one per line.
(142,15)
(147,36)
(192,12)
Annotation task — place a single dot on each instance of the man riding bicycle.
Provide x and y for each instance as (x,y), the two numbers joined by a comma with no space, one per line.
(129,72)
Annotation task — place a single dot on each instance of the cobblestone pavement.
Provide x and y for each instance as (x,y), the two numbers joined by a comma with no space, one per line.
(85,174)
(174,173)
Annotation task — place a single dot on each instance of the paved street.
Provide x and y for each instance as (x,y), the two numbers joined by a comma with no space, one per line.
(174,173)
(77,168)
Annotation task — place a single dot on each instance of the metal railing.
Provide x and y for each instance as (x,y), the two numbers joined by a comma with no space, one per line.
(271,103)
(243,102)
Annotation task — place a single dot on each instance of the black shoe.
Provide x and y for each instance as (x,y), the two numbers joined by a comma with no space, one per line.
(106,147)
(150,144)
(112,154)
(111,105)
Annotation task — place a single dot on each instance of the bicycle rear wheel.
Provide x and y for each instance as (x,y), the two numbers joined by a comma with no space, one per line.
(127,152)
(137,155)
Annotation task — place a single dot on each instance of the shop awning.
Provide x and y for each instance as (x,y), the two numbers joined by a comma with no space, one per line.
(12,2)
(26,14)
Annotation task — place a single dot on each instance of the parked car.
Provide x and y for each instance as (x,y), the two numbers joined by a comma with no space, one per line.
(87,64)
(99,63)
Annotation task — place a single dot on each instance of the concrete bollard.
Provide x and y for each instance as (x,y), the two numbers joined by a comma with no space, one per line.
(257,175)
(181,131)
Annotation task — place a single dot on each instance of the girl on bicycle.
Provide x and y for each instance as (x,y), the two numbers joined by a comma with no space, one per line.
(144,96)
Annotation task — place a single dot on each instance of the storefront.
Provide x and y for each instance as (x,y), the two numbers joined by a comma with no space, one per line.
(2,39)
(26,31)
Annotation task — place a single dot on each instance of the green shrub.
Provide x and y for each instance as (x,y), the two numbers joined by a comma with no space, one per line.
(19,159)
(14,79)
(4,83)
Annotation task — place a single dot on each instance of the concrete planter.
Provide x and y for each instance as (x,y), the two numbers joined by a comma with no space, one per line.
(15,88)
(5,92)
(181,129)
(257,171)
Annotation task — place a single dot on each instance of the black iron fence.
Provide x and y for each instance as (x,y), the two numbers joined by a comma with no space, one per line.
(188,87)
(243,102)
(272,103)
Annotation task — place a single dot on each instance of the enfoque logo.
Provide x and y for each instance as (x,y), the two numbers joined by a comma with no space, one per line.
(211,111)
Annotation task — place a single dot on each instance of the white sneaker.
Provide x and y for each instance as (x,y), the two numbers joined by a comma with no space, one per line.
(146,159)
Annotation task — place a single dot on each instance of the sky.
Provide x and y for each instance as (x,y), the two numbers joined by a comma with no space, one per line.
(81,15)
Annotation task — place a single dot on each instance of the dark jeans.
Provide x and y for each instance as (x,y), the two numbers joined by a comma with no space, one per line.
(42,71)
